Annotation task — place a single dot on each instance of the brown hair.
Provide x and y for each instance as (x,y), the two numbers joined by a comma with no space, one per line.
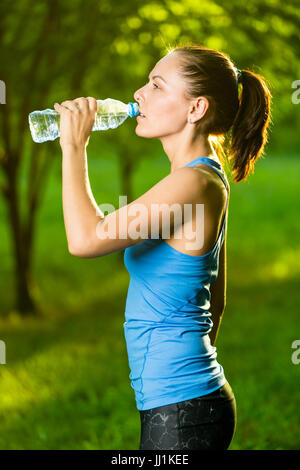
(242,120)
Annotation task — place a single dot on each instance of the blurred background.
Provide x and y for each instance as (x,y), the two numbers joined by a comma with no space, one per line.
(64,376)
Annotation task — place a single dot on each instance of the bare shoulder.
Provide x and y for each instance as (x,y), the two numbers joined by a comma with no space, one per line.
(209,180)
(182,185)
(192,180)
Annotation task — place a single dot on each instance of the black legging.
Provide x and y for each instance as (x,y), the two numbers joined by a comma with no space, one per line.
(202,423)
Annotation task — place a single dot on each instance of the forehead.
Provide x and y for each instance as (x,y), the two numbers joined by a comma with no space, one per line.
(168,68)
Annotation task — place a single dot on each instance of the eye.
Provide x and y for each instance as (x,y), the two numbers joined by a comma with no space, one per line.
(155,86)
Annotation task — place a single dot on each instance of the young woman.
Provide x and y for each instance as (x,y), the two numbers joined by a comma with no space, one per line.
(177,291)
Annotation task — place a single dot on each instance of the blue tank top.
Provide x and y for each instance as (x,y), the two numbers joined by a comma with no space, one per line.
(167,318)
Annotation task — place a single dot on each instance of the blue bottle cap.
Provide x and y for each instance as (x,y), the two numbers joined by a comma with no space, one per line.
(133,109)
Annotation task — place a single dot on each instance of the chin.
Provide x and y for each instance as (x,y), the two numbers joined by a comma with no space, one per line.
(140,133)
(146,134)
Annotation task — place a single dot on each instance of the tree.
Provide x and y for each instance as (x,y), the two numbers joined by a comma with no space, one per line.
(58,50)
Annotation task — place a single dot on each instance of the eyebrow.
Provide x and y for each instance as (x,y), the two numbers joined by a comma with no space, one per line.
(158,76)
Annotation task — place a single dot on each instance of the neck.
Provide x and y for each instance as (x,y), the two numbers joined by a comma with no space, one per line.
(181,153)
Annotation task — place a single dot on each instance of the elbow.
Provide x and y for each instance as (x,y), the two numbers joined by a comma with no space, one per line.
(79,254)
(74,252)
(78,250)
(84,250)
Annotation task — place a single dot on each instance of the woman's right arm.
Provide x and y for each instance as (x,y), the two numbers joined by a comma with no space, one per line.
(218,294)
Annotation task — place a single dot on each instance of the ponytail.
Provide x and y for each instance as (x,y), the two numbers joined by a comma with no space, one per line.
(240,122)
(249,133)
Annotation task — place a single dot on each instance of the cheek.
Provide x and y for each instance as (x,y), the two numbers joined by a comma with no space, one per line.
(166,114)
(174,109)
(173,116)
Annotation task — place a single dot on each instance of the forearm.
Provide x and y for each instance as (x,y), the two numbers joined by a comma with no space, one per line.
(216,319)
(218,295)
(80,210)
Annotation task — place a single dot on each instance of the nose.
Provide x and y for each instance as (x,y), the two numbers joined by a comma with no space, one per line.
(137,96)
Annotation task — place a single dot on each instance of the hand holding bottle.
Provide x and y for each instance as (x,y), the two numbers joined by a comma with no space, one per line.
(45,125)
(77,118)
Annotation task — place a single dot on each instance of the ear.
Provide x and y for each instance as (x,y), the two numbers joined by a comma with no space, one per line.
(199,108)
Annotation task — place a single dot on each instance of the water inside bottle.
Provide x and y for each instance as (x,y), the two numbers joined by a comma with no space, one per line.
(44,125)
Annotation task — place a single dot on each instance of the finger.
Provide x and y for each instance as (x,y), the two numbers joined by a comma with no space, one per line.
(92,103)
(82,103)
(59,108)
(72,105)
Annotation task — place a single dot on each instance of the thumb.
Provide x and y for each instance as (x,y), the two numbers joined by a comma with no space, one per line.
(58,107)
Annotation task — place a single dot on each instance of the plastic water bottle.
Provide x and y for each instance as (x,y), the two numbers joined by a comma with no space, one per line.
(44,125)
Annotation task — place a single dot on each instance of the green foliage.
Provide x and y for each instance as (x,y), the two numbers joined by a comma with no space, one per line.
(65,384)
(88,48)
(66,381)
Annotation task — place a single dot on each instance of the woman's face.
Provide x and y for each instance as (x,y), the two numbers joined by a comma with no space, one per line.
(162,101)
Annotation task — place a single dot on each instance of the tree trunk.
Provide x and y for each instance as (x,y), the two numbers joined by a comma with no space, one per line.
(25,303)
(22,249)
(126,168)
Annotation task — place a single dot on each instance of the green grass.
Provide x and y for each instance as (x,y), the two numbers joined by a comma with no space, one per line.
(65,383)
